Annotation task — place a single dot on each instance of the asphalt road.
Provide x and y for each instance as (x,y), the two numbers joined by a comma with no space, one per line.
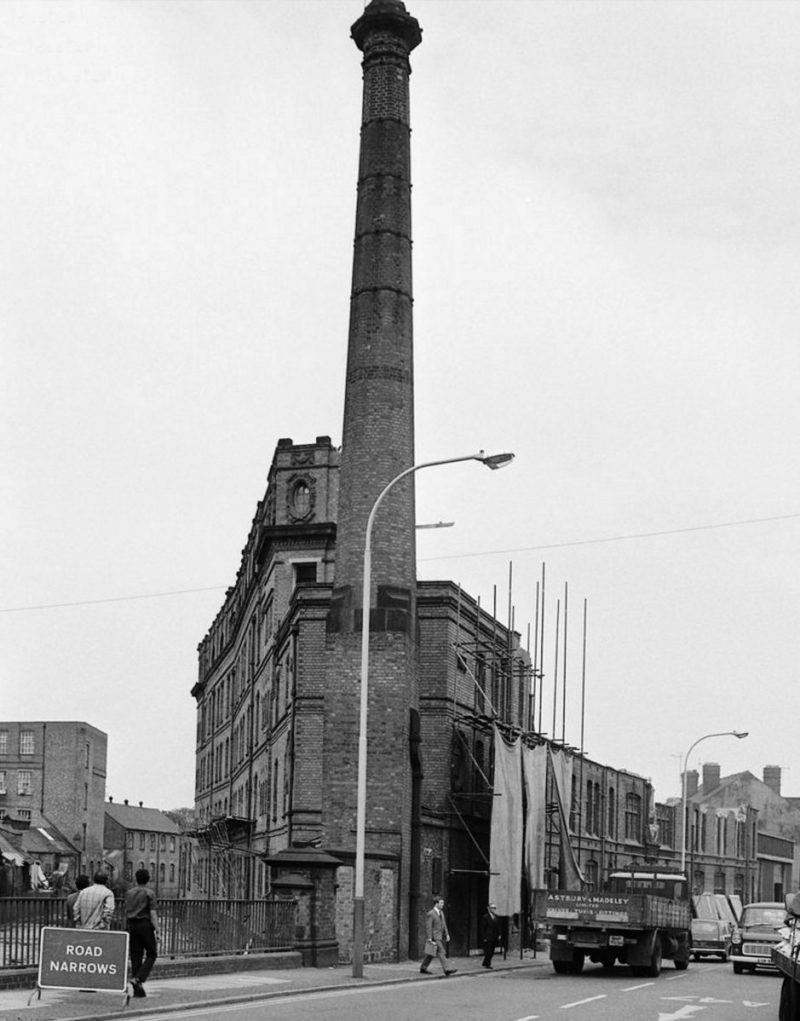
(708,991)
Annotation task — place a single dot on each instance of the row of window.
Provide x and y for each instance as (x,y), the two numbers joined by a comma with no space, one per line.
(161,871)
(24,781)
(25,742)
(156,840)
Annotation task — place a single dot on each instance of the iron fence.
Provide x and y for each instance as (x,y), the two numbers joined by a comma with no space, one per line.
(188,928)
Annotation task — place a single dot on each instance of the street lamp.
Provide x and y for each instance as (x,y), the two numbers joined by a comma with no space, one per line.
(492,461)
(725,733)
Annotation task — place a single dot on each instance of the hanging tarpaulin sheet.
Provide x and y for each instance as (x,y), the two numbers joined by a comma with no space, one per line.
(534,772)
(505,850)
(570,876)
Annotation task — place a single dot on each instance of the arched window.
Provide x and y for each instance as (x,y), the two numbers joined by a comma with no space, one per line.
(301,498)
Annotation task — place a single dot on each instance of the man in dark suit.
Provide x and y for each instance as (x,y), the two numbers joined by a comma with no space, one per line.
(436,932)
(490,932)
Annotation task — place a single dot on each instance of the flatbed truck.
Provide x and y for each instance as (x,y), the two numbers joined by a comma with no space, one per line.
(643,918)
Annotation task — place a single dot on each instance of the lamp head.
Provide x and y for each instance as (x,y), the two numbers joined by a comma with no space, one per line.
(495,461)
(740,733)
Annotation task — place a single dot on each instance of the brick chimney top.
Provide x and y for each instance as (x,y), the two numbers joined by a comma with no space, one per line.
(772,778)
(691,782)
(711,775)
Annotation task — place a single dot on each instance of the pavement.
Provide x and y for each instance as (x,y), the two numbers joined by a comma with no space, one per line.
(216,989)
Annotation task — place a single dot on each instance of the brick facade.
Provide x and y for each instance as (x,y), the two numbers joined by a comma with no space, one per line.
(66,765)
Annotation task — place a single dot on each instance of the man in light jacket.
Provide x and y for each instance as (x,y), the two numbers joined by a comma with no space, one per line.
(436,932)
(94,906)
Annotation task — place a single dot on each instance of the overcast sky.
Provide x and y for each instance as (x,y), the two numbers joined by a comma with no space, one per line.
(607,242)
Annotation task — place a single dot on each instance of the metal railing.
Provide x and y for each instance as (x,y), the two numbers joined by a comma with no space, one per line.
(188,928)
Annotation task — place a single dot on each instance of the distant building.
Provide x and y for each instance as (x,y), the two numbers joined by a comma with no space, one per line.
(54,773)
(136,837)
(742,836)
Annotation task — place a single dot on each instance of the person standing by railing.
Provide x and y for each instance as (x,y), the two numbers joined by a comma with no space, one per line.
(81,882)
(142,922)
(94,906)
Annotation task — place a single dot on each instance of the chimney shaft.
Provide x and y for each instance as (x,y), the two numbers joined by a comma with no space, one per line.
(378,429)
(691,782)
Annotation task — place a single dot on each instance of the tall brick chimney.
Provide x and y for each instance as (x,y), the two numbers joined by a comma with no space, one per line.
(377,444)
(772,778)
(691,782)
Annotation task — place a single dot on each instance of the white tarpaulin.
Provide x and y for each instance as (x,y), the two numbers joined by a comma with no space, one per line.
(505,850)
(534,771)
(570,876)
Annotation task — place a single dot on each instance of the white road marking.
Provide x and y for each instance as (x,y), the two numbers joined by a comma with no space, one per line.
(528,1017)
(642,985)
(687,1010)
(753,1003)
(580,1003)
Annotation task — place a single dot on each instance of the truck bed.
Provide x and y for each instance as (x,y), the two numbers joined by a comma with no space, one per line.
(634,911)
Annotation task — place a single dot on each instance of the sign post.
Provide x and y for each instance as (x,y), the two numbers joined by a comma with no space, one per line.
(84,959)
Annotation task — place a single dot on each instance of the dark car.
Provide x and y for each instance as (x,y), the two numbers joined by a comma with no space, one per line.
(755,936)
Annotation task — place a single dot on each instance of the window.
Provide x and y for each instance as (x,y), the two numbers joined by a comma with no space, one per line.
(24,782)
(24,813)
(152,841)
(301,499)
(26,742)
(2,781)
(129,839)
(611,826)
(633,817)
(141,844)
(3,742)
(305,574)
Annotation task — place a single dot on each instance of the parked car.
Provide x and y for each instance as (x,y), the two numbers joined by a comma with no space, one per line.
(755,936)
(712,925)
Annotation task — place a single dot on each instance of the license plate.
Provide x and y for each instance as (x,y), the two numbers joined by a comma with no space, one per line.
(616,941)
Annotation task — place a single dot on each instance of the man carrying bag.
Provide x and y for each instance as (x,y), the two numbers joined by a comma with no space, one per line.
(436,936)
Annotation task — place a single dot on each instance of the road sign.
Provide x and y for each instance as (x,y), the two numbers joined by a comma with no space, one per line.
(83,959)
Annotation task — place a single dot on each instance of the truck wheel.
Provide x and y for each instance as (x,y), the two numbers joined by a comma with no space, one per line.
(653,969)
(681,965)
(737,968)
(577,963)
(562,967)
(607,960)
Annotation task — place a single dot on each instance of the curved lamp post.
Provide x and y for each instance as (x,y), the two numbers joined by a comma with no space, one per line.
(492,461)
(725,733)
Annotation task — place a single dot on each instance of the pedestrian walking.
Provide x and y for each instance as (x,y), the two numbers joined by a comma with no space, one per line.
(81,882)
(490,932)
(94,906)
(437,935)
(142,922)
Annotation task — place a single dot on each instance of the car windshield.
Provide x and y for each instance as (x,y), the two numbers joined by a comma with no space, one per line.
(763,916)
